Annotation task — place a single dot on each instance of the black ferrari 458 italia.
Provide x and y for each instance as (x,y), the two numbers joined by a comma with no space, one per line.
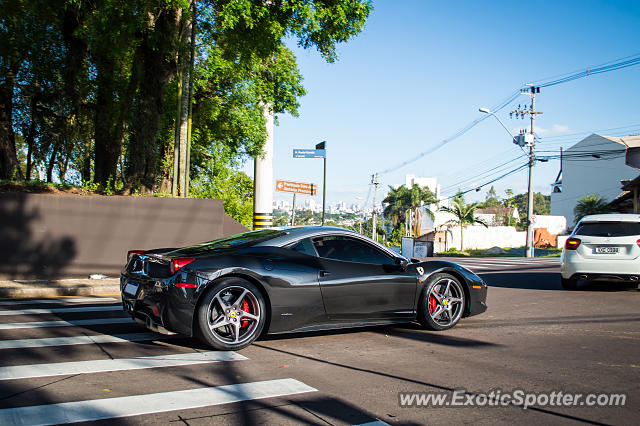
(278,280)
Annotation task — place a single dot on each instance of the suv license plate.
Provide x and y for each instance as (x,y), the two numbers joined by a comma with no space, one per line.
(131,288)
(607,250)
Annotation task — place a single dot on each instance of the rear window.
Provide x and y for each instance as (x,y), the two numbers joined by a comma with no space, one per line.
(235,241)
(608,229)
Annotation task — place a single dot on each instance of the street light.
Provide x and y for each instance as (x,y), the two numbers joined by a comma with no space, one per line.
(488,111)
(531,155)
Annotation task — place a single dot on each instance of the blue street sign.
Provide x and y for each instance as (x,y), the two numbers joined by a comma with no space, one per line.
(309,153)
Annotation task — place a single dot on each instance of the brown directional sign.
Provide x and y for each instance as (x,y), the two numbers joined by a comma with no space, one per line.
(296,187)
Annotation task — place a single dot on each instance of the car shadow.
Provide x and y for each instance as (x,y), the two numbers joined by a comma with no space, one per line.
(549,281)
(412,331)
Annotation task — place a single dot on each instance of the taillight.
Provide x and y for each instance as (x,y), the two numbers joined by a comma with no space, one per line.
(573,243)
(638,243)
(132,252)
(179,263)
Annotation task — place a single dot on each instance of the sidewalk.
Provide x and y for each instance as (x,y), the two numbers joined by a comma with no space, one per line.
(69,287)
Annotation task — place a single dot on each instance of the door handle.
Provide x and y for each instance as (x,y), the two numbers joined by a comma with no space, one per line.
(324,273)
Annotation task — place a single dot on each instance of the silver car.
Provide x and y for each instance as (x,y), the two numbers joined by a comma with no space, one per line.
(603,247)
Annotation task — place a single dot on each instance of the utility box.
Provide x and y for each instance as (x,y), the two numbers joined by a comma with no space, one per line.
(412,248)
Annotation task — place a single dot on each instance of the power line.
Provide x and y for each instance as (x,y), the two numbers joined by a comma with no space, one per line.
(614,65)
(481,175)
(451,138)
(476,188)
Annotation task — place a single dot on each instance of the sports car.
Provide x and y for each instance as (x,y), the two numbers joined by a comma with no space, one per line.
(229,291)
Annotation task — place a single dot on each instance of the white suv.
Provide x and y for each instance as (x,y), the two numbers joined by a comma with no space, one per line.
(602,247)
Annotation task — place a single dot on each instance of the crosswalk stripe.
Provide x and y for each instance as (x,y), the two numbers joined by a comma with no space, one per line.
(58,301)
(61,310)
(376,422)
(108,408)
(71,323)
(104,365)
(79,340)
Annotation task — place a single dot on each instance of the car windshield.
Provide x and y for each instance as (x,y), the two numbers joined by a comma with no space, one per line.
(608,229)
(234,241)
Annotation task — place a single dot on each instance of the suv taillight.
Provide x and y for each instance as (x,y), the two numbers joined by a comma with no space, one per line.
(179,263)
(132,252)
(572,243)
(638,243)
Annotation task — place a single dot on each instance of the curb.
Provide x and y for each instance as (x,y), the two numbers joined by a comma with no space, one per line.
(71,287)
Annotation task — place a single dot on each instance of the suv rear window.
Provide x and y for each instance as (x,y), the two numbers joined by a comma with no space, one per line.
(608,229)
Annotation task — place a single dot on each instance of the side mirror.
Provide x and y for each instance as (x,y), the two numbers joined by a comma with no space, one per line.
(402,263)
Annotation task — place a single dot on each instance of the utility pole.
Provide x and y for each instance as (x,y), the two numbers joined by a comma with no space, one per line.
(374,181)
(293,210)
(532,159)
(323,145)
(263,178)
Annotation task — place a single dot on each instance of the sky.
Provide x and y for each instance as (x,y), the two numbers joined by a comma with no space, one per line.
(420,70)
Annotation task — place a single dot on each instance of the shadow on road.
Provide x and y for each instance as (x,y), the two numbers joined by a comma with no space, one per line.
(548,281)
(430,386)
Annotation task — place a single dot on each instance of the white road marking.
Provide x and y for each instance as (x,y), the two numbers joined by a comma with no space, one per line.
(79,340)
(108,408)
(104,365)
(376,422)
(71,323)
(61,310)
(58,301)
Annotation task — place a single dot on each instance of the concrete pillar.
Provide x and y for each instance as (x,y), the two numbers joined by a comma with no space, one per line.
(263,179)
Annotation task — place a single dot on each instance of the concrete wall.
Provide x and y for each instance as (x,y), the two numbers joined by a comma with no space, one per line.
(588,175)
(479,237)
(45,236)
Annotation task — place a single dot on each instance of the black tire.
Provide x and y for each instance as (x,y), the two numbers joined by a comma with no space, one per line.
(227,303)
(441,292)
(569,283)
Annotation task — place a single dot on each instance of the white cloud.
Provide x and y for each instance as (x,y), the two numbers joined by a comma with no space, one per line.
(554,130)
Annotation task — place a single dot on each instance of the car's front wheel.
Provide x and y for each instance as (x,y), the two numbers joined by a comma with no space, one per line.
(231,315)
(442,302)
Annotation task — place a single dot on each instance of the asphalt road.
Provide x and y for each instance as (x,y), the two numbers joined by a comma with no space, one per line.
(535,337)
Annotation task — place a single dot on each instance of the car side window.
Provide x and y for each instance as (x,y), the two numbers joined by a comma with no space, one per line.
(304,246)
(350,249)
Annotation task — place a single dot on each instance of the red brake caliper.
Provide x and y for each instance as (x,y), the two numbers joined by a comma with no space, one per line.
(432,304)
(245,307)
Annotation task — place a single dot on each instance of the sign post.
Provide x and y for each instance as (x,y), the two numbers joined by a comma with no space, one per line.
(295,188)
(319,152)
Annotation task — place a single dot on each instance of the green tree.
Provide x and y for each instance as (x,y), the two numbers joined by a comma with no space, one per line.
(233,187)
(464,215)
(491,199)
(591,204)
(402,200)
(508,202)
(93,86)
(541,204)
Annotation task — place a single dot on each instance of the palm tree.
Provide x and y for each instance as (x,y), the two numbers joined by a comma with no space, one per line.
(395,208)
(418,197)
(401,200)
(464,215)
(591,204)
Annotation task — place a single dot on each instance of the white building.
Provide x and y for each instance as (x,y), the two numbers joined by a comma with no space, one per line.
(431,183)
(595,165)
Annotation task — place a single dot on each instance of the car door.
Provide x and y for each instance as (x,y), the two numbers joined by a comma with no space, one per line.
(360,281)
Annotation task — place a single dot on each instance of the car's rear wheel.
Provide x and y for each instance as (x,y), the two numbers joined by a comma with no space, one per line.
(569,283)
(231,315)
(442,302)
